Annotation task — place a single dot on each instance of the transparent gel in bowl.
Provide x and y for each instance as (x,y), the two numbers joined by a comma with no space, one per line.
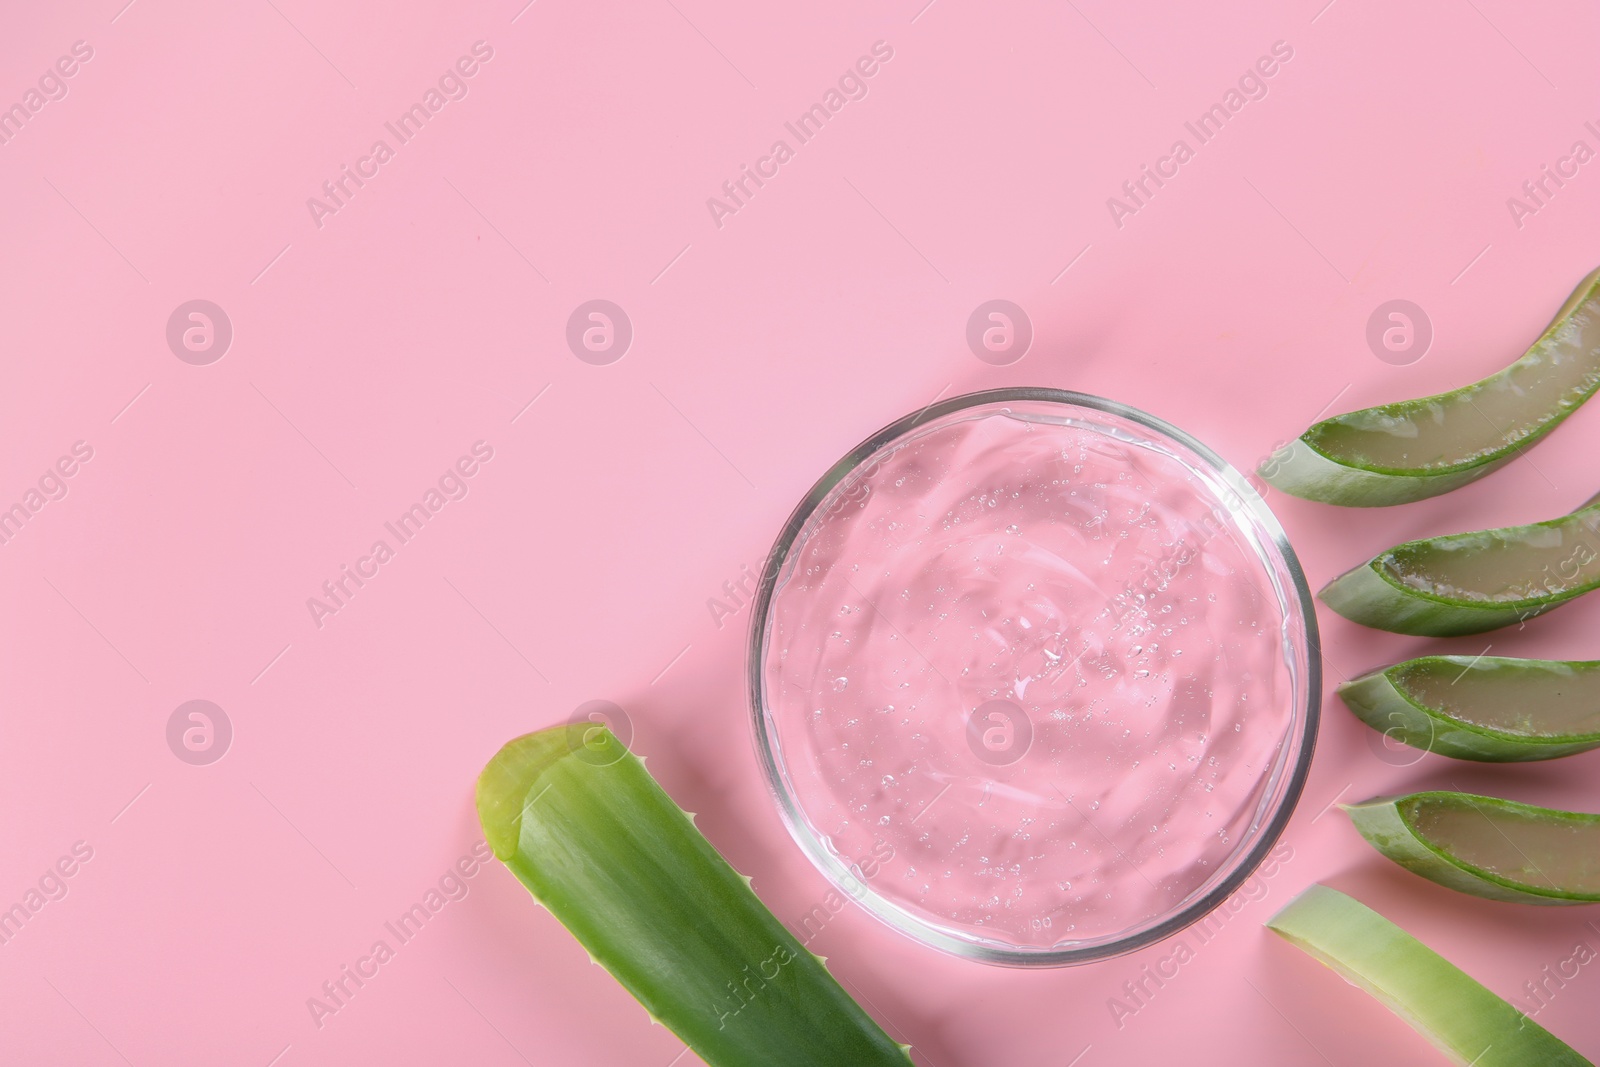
(1033,677)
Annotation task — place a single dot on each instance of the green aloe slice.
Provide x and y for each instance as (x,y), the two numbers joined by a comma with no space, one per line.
(1420,448)
(1486,846)
(1489,708)
(1435,997)
(1471,582)
(587,830)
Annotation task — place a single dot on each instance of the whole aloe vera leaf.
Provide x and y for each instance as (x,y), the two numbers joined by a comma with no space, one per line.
(594,838)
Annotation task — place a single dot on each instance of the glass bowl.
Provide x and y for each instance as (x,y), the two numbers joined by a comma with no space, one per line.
(1034,678)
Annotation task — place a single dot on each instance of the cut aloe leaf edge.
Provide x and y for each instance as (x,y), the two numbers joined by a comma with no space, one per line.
(1487,847)
(1414,449)
(1468,583)
(586,829)
(1462,1017)
(1492,709)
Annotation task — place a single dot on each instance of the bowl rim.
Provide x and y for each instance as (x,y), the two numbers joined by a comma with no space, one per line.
(893,915)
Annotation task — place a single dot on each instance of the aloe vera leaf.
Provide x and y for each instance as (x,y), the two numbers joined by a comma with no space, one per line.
(1471,582)
(1436,998)
(1494,709)
(594,838)
(1414,449)
(1488,847)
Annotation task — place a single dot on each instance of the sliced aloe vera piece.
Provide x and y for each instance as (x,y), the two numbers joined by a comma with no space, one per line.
(587,830)
(1489,708)
(1486,846)
(1471,582)
(1420,448)
(1435,997)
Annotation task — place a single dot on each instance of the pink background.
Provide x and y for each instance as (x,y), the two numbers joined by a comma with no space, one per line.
(425,315)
